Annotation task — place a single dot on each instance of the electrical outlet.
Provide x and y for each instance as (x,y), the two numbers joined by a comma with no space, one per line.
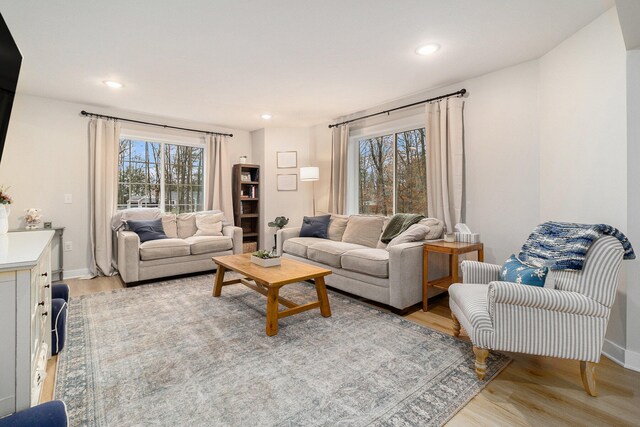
(68,198)
(68,246)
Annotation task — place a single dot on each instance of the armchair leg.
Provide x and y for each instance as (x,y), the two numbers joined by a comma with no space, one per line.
(481,356)
(456,325)
(588,374)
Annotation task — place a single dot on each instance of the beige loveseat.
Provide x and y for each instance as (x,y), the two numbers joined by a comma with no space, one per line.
(362,264)
(183,252)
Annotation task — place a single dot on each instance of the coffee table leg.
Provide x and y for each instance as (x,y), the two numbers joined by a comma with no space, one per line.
(217,288)
(272,311)
(321,290)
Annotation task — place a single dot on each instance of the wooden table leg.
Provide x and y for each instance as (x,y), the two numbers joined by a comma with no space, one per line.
(454,268)
(217,288)
(425,281)
(272,311)
(481,254)
(321,290)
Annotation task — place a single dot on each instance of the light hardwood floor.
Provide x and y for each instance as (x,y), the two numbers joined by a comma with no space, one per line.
(531,391)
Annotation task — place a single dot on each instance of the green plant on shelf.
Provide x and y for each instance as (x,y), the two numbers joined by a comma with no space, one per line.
(264,254)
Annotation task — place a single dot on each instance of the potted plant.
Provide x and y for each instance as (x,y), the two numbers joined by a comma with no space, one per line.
(278,223)
(265,258)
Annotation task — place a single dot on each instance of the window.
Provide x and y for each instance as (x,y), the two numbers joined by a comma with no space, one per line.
(159,174)
(392,173)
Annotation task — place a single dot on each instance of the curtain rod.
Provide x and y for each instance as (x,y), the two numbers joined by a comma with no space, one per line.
(101,116)
(461,92)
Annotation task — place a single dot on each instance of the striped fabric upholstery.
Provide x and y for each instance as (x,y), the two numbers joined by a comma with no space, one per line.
(569,321)
(546,299)
(469,304)
(479,272)
(598,278)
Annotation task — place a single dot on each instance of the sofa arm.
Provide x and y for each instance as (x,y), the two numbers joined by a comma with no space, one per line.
(479,272)
(128,255)
(236,235)
(405,274)
(516,294)
(283,234)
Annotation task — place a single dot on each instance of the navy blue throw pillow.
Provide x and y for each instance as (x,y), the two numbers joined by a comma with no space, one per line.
(315,226)
(516,271)
(148,230)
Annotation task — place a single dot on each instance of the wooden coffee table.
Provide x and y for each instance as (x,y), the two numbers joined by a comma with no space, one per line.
(269,280)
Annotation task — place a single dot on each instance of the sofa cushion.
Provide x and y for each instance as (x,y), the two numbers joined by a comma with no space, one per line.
(205,244)
(147,230)
(363,230)
(374,262)
(164,248)
(329,252)
(315,226)
(187,223)
(209,224)
(415,233)
(436,228)
(122,216)
(170,225)
(337,225)
(298,245)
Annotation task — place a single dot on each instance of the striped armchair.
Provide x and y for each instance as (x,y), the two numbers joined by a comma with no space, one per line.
(567,321)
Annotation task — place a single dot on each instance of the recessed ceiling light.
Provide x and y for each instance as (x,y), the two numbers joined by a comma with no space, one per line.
(427,49)
(266,116)
(113,84)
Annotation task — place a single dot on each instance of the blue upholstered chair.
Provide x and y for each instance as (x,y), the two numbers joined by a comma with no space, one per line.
(567,321)
(50,414)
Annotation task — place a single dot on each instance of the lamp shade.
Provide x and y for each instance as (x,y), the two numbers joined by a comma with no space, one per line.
(310,173)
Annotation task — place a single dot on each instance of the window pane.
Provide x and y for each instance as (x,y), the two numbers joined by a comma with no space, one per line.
(411,172)
(376,175)
(184,178)
(138,174)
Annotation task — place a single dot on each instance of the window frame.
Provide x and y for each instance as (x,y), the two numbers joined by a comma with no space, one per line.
(353,151)
(186,141)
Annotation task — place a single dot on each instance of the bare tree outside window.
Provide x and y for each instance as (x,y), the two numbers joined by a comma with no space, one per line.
(402,152)
(142,177)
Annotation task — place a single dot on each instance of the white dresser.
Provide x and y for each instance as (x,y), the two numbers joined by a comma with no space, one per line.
(25,320)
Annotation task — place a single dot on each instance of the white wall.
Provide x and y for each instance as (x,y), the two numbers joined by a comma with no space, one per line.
(291,204)
(583,141)
(46,155)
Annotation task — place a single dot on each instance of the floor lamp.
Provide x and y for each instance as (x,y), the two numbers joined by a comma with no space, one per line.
(311,173)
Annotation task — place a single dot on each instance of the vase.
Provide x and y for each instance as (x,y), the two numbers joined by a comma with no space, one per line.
(5,210)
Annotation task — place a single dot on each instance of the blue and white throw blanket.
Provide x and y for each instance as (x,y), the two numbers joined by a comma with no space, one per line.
(564,245)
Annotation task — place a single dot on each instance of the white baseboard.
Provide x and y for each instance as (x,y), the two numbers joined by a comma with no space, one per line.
(81,273)
(623,357)
(632,360)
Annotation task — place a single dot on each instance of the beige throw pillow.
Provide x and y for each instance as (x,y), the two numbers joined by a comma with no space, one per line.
(363,230)
(337,225)
(415,233)
(209,224)
(436,228)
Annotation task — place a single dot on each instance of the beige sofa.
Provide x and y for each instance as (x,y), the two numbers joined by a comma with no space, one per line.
(183,252)
(367,268)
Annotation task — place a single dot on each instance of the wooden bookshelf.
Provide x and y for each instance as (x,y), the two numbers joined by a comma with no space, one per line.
(246,204)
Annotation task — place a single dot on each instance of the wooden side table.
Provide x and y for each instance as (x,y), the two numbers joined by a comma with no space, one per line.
(453,250)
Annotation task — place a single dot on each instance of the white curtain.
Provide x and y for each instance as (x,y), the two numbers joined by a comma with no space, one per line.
(104,142)
(445,157)
(338,185)
(219,173)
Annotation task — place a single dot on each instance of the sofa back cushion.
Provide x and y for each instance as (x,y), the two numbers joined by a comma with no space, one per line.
(209,224)
(187,223)
(136,214)
(363,230)
(337,225)
(170,225)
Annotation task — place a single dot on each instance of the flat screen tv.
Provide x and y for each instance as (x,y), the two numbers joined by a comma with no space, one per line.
(10,60)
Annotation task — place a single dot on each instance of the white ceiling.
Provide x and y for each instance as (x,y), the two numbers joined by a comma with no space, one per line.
(304,61)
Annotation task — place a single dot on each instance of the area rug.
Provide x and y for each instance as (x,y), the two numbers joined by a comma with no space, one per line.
(170,354)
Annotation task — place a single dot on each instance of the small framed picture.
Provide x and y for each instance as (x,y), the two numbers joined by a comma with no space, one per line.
(287,159)
(288,182)
(245,177)
(47,224)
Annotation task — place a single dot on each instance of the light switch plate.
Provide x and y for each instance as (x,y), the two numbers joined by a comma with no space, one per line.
(68,198)
(68,246)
